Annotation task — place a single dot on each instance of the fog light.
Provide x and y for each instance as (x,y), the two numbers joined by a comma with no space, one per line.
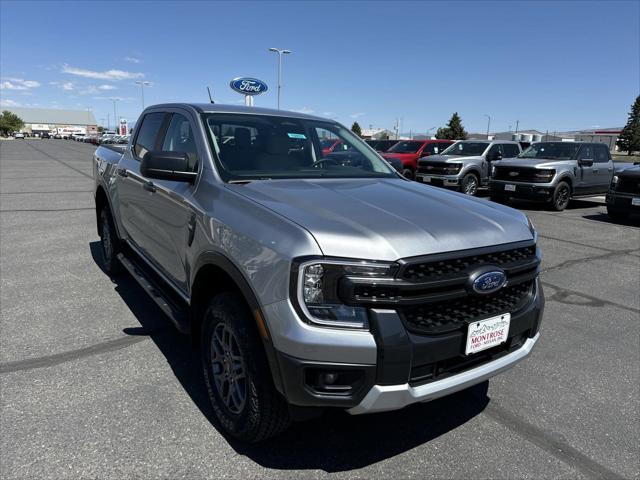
(329,378)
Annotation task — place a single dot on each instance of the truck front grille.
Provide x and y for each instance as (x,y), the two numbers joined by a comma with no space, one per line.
(432,294)
(448,316)
(435,168)
(518,174)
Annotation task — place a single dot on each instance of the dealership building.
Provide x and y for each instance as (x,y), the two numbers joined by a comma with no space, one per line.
(38,120)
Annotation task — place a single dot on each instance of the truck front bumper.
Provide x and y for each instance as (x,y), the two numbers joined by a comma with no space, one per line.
(388,367)
(392,397)
(449,181)
(529,191)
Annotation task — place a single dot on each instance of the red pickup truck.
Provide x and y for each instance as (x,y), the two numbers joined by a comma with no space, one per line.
(409,151)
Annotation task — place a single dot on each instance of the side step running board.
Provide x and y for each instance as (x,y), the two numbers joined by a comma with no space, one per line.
(179,315)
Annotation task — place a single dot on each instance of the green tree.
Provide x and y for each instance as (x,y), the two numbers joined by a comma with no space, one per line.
(355,128)
(629,139)
(100,129)
(454,129)
(10,122)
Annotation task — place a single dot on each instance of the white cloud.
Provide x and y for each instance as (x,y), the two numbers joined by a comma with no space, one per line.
(132,59)
(18,84)
(357,114)
(67,86)
(105,75)
(329,114)
(7,102)
(106,87)
(302,110)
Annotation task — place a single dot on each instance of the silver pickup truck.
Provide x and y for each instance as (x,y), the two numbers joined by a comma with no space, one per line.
(554,172)
(465,165)
(309,282)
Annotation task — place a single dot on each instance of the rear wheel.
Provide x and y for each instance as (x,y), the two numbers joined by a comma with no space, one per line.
(109,243)
(561,197)
(615,214)
(244,399)
(470,184)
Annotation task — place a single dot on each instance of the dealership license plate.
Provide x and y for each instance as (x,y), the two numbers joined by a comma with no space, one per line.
(487,333)
(635,201)
(426,179)
(509,188)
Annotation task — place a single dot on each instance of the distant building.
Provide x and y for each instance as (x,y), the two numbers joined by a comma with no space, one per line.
(38,120)
(608,137)
(377,133)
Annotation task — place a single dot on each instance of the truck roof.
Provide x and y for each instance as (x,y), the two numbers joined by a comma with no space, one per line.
(222,108)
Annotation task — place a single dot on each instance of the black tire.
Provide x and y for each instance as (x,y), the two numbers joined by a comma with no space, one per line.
(617,215)
(561,197)
(470,184)
(408,173)
(246,405)
(110,243)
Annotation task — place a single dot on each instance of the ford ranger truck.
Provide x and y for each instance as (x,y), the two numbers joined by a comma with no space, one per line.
(554,172)
(307,283)
(466,165)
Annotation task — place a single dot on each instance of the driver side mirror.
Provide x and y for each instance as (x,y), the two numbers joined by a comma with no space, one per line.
(494,156)
(583,162)
(167,166)
(425,153)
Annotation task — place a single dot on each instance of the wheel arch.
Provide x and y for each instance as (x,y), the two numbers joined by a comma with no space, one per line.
(567,179)
(101,200)
(215,273)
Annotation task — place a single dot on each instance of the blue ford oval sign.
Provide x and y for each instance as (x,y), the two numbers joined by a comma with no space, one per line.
(248,86)
(489,282)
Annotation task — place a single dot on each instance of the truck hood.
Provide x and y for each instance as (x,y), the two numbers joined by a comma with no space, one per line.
(533,162)
(400,156)
(387,219)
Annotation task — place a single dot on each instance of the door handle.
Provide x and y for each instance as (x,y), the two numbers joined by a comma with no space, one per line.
(595,170)
(149,187)
(122,172)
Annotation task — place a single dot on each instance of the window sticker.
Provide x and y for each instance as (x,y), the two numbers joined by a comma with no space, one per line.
(299,136)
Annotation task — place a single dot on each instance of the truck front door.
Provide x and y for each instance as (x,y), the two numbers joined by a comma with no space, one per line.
(587,181)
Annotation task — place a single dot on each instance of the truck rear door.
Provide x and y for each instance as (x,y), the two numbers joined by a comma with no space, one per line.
(602,168)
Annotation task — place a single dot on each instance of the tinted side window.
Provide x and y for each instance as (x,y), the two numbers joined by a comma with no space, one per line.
(179,138)
(495,148)
(586,152)
(147,138)
(602,154)
(511,150)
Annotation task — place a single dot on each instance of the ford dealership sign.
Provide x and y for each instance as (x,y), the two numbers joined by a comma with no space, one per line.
(248,86)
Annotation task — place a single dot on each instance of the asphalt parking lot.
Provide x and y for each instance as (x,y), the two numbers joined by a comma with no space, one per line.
(96,383)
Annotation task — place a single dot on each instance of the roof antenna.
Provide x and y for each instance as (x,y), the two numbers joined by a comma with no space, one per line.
(210,99)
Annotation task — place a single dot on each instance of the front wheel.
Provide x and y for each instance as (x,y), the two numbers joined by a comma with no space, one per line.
(561,197)
(244,399)
(470,184)
(408,173)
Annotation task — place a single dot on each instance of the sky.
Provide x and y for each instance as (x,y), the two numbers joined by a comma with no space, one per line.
(549,65)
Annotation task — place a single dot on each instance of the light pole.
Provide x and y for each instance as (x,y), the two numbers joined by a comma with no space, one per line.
(280,53)
(488,124)
(142,84)
(115,112)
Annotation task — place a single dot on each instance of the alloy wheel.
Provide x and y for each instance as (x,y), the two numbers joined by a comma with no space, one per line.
(471,185)
(228,369)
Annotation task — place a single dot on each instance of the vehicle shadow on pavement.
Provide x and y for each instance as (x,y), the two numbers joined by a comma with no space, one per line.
(334,442)
(632,221)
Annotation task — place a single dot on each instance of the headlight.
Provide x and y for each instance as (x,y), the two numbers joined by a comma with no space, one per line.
(317,290)
(614,180)
(493,170)
(532,229)
(544,176)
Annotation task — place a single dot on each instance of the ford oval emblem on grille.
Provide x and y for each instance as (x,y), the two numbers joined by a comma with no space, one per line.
(488,281)
(513,174)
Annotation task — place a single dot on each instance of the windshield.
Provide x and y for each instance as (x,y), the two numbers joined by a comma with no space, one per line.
(260,147)
(466,149)
(405,147)
(552,151)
